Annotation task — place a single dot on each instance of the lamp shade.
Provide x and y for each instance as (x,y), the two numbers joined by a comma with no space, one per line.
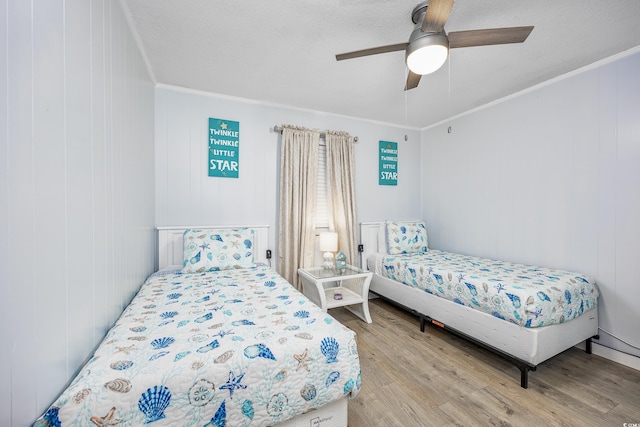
(426,52)
(328,242)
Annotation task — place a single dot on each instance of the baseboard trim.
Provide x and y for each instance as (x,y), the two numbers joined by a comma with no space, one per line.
(625,359)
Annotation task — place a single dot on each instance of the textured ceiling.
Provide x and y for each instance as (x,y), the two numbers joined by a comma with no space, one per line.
(284,52)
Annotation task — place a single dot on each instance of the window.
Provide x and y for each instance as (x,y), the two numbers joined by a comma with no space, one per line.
(322,199)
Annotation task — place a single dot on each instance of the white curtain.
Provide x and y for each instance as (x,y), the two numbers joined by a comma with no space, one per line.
(298,186)
(341,191)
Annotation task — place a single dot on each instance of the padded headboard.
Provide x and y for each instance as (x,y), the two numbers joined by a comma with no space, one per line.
(170,242)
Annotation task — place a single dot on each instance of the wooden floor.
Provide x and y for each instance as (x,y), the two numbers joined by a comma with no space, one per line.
(410,378)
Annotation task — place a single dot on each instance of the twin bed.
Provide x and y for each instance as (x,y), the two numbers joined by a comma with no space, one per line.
(525,313)
(220,339)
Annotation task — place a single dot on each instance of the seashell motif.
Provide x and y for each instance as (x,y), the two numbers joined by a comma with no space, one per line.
(81,395)
(182,323)
(204,318)
(201,392)
(197,365)
(50,418)
(282,375)
(224,357)
(166,322)
(332,378)
(302,314)
(304,336)
(121,365)
(205,348)
(242,322)
(169,314)
(119,385)
(329,348)
(181,355)
(258,350)
(220,417)
(353,347)
(153,402)
(247,409)
(270,284)
(137,338)
(174,295)
(277,404)
(138,329)
(199,338)
(158,355)
(282,340)
(149,306)
(163,342)
(348,386)
(308,392)
(264,334)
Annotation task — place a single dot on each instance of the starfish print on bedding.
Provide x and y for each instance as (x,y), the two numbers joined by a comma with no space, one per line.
(204,246)
(107,420)
(233,383)
(125,350)
(303,360)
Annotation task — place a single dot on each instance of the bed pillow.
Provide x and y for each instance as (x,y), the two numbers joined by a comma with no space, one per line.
(406,237)
(214,250)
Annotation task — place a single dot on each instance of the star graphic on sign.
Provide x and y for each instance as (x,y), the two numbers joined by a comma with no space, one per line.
(233,383)
(303,359)
(223,125)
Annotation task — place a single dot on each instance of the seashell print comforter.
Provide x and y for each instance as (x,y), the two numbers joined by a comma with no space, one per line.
(526,295)
(227,348)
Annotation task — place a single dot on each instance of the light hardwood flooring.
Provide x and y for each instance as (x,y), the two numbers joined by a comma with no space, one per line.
(410,378)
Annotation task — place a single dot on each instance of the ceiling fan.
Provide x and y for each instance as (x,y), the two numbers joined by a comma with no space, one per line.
(428,45)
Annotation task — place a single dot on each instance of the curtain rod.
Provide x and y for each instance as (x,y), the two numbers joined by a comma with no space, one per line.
(278,129)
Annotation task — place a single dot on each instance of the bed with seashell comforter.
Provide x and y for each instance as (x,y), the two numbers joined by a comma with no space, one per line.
(526,313)
(234,346)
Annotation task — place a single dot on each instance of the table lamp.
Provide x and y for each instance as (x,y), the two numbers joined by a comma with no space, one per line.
(328,245)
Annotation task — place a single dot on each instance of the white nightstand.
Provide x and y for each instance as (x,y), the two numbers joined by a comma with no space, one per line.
(351,282)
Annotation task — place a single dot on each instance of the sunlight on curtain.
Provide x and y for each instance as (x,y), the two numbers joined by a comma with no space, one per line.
(341,189)
(298,187)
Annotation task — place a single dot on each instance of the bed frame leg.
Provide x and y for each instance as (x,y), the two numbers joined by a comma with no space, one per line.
(422,323)
(524,375)
(589,348)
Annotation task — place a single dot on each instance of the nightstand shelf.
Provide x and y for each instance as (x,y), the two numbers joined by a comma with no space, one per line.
(352,284)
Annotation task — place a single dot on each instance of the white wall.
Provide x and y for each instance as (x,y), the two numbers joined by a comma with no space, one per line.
(76,190)
(550,177)
(186,195)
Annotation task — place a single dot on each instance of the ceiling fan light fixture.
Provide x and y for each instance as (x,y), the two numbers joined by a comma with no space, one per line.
(427,52)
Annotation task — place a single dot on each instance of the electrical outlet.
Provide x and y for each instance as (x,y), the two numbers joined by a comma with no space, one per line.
(360,248)
(268,253)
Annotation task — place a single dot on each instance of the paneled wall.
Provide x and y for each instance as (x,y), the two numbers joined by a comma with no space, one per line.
(186,195)
(76,190)
(550,177)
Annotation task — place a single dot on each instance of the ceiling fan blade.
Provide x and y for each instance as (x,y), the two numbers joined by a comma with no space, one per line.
(488,36)
(371,51)
(437,14)
(412,80)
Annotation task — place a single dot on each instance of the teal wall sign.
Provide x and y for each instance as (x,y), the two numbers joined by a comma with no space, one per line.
(224,146)
(388,163)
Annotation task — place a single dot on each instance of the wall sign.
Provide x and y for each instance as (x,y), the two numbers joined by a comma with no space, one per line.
(224,146)
(388,163)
